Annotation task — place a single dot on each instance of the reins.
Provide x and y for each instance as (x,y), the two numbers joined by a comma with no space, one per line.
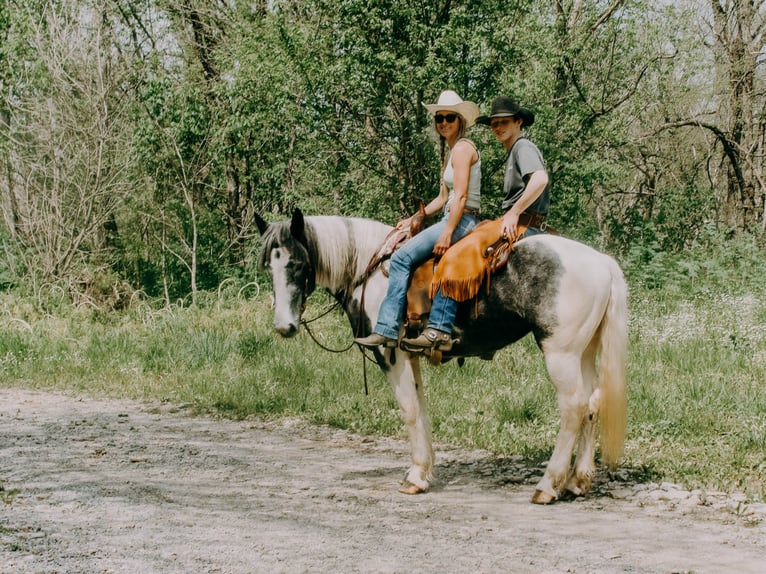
(305,323)
(372,266)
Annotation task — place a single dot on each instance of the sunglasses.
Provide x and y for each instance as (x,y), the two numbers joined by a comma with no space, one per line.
(439,118)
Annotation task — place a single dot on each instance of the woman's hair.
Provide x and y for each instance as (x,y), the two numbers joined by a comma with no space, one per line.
(443,142)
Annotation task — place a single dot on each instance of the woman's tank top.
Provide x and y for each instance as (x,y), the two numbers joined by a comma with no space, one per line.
(473,201)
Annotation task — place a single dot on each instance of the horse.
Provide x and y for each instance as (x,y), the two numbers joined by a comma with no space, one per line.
(571,297)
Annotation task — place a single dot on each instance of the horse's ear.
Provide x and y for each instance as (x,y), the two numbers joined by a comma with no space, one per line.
(416,223)
(261,223)
(297,226)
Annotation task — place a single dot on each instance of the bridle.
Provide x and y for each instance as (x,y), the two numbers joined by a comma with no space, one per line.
(309,286)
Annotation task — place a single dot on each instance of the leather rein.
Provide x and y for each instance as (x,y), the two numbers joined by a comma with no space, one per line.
(305,323)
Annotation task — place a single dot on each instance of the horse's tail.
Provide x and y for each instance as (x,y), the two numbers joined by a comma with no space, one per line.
(612,370)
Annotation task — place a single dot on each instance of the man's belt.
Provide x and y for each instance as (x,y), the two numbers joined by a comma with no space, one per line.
(532,219)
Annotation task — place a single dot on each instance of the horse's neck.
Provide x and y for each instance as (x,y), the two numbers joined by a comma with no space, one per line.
(344,247)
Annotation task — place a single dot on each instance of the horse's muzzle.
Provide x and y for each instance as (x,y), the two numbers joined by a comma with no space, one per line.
(287,331)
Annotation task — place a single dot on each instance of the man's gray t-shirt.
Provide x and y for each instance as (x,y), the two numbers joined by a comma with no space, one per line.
(524,160)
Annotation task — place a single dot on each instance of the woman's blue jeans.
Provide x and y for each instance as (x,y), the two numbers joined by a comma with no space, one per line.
(444,309)
(403,262)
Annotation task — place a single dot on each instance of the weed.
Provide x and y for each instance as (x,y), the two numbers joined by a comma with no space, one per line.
(8,495)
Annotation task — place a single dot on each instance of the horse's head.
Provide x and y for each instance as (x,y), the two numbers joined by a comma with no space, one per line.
(287,259)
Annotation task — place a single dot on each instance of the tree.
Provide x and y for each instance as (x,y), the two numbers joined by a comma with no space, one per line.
(139,136)
(738,28)
(67,155)
(365,67)
(172,48)
(732,113)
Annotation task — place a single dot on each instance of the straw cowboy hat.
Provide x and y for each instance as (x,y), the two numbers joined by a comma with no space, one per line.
(449,101)
(505,107)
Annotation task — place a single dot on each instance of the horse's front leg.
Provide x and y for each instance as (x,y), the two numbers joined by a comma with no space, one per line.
(405,379)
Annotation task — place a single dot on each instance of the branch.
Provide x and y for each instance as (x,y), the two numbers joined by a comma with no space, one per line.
(605,15)
(604,110)
(730,147)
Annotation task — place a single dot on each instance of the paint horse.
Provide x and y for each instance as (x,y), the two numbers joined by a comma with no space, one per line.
(572,298)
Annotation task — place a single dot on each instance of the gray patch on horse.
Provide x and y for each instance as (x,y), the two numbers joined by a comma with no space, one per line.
(277,234)
(522,298)
(538,284)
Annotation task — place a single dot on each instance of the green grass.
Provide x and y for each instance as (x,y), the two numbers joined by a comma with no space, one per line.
(696,374)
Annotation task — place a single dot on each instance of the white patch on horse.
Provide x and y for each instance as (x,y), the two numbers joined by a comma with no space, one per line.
(344,241)
(286,318)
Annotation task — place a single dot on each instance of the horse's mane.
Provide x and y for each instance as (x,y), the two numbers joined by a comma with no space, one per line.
(339,247)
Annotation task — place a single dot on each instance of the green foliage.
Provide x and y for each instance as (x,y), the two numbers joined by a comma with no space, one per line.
(318,105)
(713,263)
(250,345)
(7,495)
(366,80)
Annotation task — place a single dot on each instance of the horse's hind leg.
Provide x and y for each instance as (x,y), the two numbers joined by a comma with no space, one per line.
(581,479)
(405,379)
(565,372)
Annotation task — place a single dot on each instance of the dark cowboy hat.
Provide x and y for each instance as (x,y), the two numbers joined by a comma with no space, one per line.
(505,107)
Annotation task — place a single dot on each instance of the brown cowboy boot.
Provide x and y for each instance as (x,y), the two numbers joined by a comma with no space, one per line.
(375,340)
(429,339)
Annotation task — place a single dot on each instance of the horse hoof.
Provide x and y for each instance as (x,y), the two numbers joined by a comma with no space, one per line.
(410,488)
(540,497)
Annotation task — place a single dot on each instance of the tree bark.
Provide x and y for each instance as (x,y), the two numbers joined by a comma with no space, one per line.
(738,27)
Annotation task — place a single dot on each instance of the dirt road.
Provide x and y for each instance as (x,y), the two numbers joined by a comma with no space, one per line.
(93,486)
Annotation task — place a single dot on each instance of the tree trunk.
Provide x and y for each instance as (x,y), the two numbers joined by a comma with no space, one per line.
(738,28)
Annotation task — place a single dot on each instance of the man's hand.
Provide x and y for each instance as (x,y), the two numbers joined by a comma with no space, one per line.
(510,225)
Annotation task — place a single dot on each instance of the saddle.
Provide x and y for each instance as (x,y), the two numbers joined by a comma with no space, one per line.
(395,239)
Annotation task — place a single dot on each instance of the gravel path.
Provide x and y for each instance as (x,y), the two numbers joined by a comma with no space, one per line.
(107,486)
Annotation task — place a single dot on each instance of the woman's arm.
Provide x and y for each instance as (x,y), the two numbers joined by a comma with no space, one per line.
(437,203)
(434,206)
(463,157)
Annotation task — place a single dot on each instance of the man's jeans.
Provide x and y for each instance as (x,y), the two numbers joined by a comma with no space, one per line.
(403,262)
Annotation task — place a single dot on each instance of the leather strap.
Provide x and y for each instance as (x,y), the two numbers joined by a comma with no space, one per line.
(532,219)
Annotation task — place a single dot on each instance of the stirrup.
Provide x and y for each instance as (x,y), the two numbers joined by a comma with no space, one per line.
(430,339)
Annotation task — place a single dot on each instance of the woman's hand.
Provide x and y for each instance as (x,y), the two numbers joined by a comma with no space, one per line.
(442,244)
(406,222)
